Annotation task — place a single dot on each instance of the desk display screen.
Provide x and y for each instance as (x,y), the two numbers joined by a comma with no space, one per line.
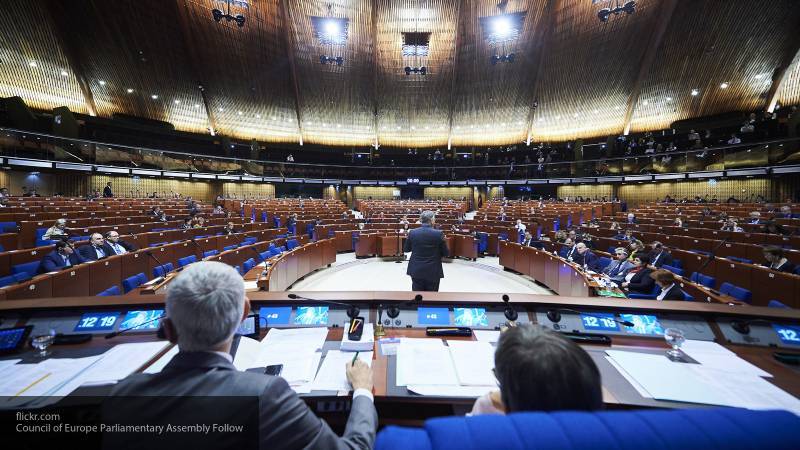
(9,338)
(789,335)
(599,322)
(311,315)
(103,321)
(275,315)
(136,319)
(433,316)
(471,317)
(643,324)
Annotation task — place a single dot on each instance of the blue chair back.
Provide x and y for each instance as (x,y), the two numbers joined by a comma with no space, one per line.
(247,265)
(651,296)
(208,253)
(292,244)
(274,251)
(777,304)
(282,248)
(7,280)
(483,242)
(248,240)
(736,292)
(229,247)
(672,269)
(604,261)
(709,428)
(741,260)
(113,290)
(8,227)
(157,244)
(186,260)
(264,255)
(706,281)
(160,271)
(131,283)
(677,263)
(502,236)
(27,270)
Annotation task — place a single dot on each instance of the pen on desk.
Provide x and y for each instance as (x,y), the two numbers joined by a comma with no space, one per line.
(32,384)
(354,359)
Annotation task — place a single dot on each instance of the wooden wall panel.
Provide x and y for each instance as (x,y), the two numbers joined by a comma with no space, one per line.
(376,192)
(446,193)
(722,189)
(586,190)
(248,190)
(125,186)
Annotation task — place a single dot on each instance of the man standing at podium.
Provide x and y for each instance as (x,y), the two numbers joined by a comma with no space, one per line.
(427,247)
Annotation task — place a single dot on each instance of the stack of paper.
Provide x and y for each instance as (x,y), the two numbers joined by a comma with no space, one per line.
(715,356)
(486,335)
(37,385)
(462,369)
(297,349)
(121,361)
(366,344)
(332,375)
(656,376)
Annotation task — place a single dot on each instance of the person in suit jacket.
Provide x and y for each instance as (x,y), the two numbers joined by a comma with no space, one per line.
(666,281)
(205,304)
(107,192)
(776,260)
(619,267)
(567,250)
(64,255)
(427,247)
(638,279)
(755,218)
(229,229)
(96,248)
(584,257)
(116,246)
(660,256)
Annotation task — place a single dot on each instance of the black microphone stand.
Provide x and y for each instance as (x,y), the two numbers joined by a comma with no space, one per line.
(150,254)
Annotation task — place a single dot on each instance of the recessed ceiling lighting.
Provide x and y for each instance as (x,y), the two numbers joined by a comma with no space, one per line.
(458,127)
(669,99)
(272,118)
(413,127)
(596,111)
(196,105)
(472,126)
(239,113)
(695,92)
(575,115)
(154,96)
(338,125)
(645,103)
(32,63)
(102,82)
(129,91)
(541,119)
(324,124)
(558,117)
(64,73)
(398,127)
(222,109)
(758,76)
(258,116)
(177,102)
(427,127)
(724,85)
(616,108)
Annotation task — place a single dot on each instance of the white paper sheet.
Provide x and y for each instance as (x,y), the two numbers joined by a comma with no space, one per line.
(473,362)
(490,336)
(425,364)
(36,385)
(715,356)
(159,365)
(366,344)
(122,360)
(247,353)
(305,388)
(332,375)
(6,363)
(628,377)
(451,391)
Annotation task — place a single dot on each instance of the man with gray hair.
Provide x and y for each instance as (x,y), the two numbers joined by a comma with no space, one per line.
(205,305)
(427,247)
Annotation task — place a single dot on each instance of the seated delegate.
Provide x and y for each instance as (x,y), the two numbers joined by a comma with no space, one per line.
(638,279)
(205,304)
(63,255)
(541,370)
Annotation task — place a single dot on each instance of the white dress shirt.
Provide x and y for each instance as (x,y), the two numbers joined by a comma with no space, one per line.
(664,292)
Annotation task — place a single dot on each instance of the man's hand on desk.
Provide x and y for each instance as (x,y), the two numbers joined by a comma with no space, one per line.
(359,374)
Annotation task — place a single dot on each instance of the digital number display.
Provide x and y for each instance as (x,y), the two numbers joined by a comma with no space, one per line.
(643,324)
(9,338)
(600,322)
(470,317)
(433,316)
(248,326)
(97,321)
(789,335)
(275,315)
(136,320)
(311,315)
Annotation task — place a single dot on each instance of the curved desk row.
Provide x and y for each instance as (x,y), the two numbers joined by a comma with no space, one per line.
(382,244)
(291,266)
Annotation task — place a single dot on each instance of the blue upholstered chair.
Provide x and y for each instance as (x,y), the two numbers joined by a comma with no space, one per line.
(673,269)
(229,247)
(160,271)
(705,280)
(113,290)
(131,283)
(186,260)
(651,296)
(208,253)
(706,428)
(741,260)
(25,271)
(736,292)
(777,304)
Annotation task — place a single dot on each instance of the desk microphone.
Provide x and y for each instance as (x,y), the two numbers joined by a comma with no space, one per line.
(191,239)
(554,315)
(125,330)
(352,310)
(259,258)
(743,326)
(509,312)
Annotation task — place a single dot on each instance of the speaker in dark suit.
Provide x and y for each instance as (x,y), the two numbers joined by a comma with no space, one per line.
(95,250)
(107,192)
(116,246)
(660,256)
(427,247)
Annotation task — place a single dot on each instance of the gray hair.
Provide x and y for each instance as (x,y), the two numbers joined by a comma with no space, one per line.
(426,217)
(205,303)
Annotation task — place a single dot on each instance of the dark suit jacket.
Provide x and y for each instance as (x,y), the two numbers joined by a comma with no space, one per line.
(427,247)
(88,252)
(284,420)
(664,260)
(564,252)
(107,192)
(642,282)
(587,259)
(785,267)
(674,294)
(53,261)
(127,246)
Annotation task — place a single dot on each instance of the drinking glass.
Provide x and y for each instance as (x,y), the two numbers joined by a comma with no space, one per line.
(674,338)
(42,341)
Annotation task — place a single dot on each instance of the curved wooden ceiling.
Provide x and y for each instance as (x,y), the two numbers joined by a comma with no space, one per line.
(265,81)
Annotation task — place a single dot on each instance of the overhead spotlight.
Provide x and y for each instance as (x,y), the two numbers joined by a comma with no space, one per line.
(724,86)
(502,26)
(331,28)
(218,15)
(695,92)
(338,60)
(408,70)
(416,70)
(509,58)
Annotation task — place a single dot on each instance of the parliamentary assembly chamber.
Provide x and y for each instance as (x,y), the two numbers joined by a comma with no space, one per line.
(400,224)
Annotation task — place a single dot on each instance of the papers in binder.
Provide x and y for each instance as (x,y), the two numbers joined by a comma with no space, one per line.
(332,375)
